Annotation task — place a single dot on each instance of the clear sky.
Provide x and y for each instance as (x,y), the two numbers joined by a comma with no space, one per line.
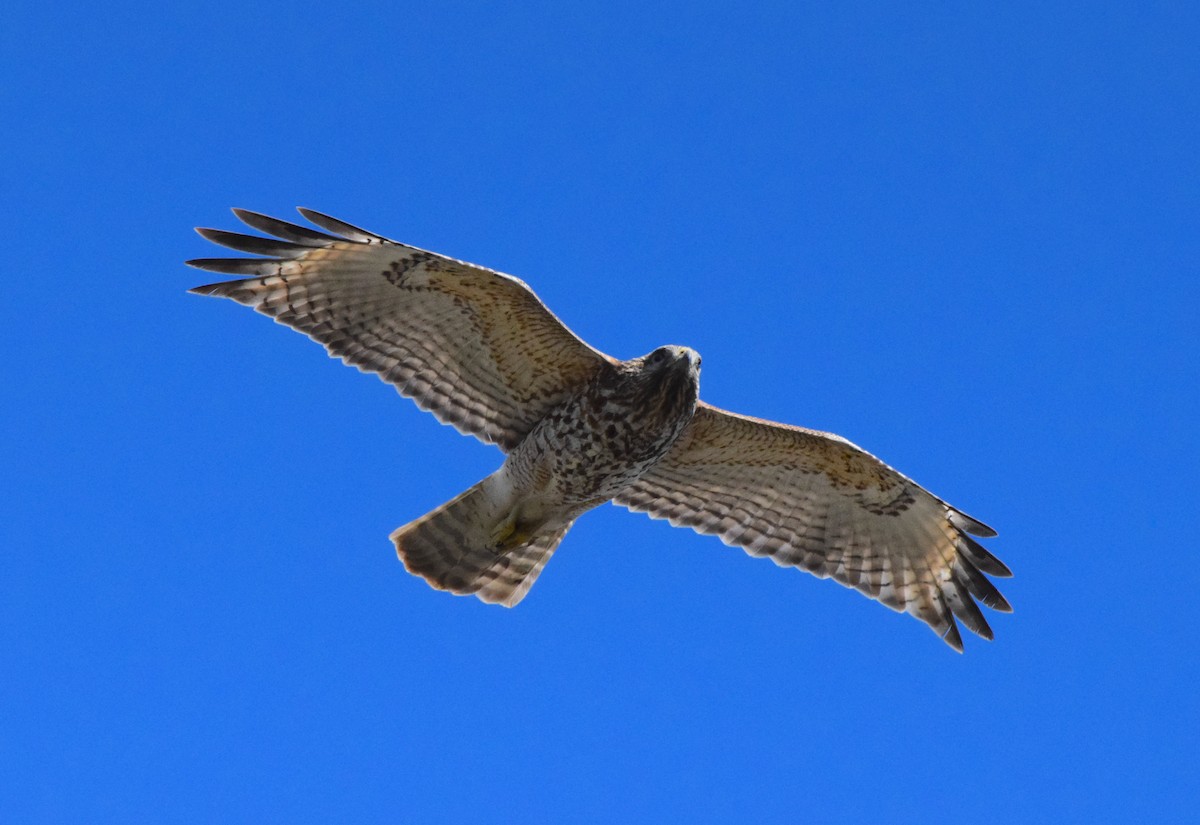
(964,236)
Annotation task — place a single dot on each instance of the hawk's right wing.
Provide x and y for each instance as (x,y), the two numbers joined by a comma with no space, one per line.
(473,346)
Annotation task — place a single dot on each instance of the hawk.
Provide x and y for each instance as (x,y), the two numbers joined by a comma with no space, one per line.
(479,350)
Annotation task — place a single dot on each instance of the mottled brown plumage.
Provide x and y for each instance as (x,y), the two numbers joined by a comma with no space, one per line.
(481,352)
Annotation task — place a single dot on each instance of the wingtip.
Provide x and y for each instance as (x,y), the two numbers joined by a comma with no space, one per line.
(204,289)
(347,231)
(206,264)
(953,638)
(195,263)
(970,524)
(982,558)
(246,216)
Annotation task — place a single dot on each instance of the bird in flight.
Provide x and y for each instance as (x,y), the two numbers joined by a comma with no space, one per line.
(479,350)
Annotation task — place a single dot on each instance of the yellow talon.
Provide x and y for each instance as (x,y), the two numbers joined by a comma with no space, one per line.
(509,535)
(503,532)
(518,538)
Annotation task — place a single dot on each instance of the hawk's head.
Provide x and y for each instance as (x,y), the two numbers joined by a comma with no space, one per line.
(671,360)
(667,381)
(656,393)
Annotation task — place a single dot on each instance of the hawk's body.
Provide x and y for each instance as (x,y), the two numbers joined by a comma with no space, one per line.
(480,351)
(578,456)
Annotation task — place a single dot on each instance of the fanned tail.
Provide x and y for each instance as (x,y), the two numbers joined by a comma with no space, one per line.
(453,548)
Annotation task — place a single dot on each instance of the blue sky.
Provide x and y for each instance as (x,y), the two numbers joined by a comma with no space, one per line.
(963,236)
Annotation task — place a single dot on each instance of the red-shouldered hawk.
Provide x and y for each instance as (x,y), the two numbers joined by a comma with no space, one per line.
(480,351)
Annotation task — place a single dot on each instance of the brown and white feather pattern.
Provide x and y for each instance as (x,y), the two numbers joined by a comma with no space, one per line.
(479,350)
(449,547)
(473,346)
(509,578)
(815,501)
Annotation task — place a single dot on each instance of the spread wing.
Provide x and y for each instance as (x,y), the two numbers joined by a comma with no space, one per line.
(474,347)
(814,500)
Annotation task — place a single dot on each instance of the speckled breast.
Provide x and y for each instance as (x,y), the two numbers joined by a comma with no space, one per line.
(603,439)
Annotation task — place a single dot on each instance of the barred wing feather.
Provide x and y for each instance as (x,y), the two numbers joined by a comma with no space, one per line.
(815,501)
(473,346)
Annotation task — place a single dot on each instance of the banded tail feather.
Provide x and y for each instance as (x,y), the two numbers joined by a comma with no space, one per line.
(453,548)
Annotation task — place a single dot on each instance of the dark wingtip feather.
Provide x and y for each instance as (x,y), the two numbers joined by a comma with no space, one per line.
(220,289)
(979,586)
(346,230)
(253,244)
(283,229)
(982,559)
(237,266)
(239,291)
(951,636)
(965,609)
(971,525)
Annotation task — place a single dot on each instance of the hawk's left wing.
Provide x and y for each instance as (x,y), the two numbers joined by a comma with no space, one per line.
(814,500)
(473,346)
